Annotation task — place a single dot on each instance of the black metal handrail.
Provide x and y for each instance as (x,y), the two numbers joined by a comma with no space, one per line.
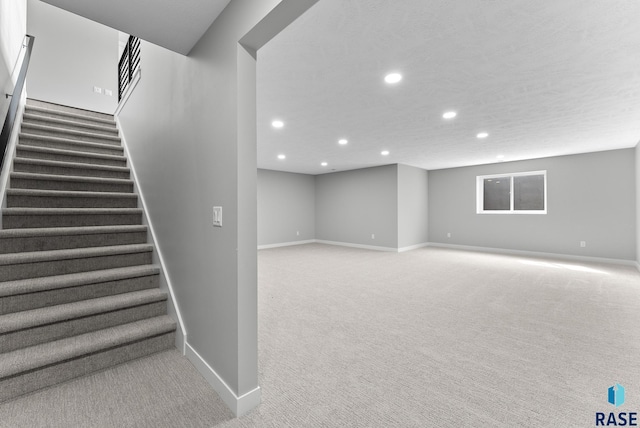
(128,64)
(10,119)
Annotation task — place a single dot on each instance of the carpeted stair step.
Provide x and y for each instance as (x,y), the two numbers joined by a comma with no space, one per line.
(26,180)
(68,134)
(29,369)
(33,293)
(62,112)
(39,166)
(28,328)
(68,123)
(34,198)
(61,238)
(37,264)
(47,153)
(17,218)
(69,144)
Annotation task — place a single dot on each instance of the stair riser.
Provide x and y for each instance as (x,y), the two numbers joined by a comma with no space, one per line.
(71,135)
(63,242)
(22,201)
(63,170)
(58,112)
(23,152)
(70,145)
(18,385)
(42,334)
(41,299)
(61,267)
(80,186)
(76,126)
(73,220)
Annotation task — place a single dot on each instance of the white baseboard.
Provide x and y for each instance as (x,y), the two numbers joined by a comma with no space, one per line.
(344,244)
(239,405)
(365,247)
(285,244)
(535,254)
(413,247)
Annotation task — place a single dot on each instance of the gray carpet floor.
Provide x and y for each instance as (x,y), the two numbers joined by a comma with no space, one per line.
(427,338)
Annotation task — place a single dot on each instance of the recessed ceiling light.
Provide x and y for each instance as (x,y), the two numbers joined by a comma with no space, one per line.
(449,115)
(393,78)
(482,135)
(277,124)
(384,152)
(342,141)
(324,164)
(282,157)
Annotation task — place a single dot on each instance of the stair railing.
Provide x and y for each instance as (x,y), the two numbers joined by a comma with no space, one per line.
(128,64)
(10,119)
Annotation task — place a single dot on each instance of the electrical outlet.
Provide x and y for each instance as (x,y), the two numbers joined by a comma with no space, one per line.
(97,90)
(583,244)
(108,92)
(448,234)
(217,216)
(297,233)
(373,236)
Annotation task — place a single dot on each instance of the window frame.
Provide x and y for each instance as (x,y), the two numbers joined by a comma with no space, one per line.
(480,193)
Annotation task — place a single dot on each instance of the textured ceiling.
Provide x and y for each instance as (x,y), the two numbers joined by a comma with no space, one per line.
(175,25)
(543,78)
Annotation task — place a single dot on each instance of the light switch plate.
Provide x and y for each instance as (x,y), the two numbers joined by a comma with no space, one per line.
(217,216)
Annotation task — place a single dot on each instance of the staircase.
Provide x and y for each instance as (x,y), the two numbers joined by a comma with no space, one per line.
(78,292)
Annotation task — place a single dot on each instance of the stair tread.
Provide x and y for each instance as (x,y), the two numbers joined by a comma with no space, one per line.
(78,143)
(33,285)
(52,150)
(46,354)
(29,107)
(70,193)
(68,211)
(55,129)
(27,117)
(83,308)
(79,165)
(72,253)
(59,231)
(55,177)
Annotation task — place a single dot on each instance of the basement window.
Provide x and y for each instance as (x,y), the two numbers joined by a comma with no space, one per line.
(516,193)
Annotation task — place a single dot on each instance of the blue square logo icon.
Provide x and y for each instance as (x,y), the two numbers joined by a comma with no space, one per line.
(616,395)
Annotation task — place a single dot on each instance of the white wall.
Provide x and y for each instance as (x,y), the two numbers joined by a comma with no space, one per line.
(353,205)
(13,27)
(412,206)
(591,197)
(71,55)
(190,127)
(286,205)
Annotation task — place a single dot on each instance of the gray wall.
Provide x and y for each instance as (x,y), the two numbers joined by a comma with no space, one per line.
(71,55)
(353,205)
(591,197)
(286,205)
(190,128)
(13,27)
(412,206)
